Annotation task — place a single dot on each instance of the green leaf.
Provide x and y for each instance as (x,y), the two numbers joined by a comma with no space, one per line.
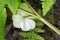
(39,37)
(31,35)
(25,39)
(39,11)
(47,5)
(39,23)
(2,23)
(38,30)
(13,5)
(25,7)
(34,36)
(24,34)
(2,4)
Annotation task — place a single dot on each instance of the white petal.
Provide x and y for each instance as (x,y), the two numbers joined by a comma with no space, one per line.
(16,17)
(24,23)
(21,24)
(24,26)
(31,23)
(27,25)
(16,20)
(16,24)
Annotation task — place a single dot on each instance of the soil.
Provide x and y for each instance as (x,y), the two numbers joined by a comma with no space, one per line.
(11,33)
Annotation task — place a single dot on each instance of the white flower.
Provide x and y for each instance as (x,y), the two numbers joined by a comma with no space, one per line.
(21,21)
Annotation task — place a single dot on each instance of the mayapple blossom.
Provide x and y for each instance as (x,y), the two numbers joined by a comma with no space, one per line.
(21,21)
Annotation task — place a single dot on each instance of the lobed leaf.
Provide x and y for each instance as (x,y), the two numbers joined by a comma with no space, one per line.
(2,23)
(25,34)
(31,35)
(2,4)
(38,30)
(39,23)
(13,5)
(47,5)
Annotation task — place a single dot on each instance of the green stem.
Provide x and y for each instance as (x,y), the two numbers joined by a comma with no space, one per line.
(50,25)
(31,8)
(43,20)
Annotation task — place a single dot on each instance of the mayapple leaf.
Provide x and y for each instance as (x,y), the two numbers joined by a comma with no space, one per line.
(38,30)
(47,5)
(2,23)
(13,5)
(2,4)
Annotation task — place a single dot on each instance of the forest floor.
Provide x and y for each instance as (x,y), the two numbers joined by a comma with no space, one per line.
(11,33)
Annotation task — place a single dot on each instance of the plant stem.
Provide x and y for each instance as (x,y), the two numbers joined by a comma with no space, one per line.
(31,8)
(43,20)
(50,25)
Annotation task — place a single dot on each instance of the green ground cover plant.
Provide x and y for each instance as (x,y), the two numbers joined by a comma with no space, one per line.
(25,7)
